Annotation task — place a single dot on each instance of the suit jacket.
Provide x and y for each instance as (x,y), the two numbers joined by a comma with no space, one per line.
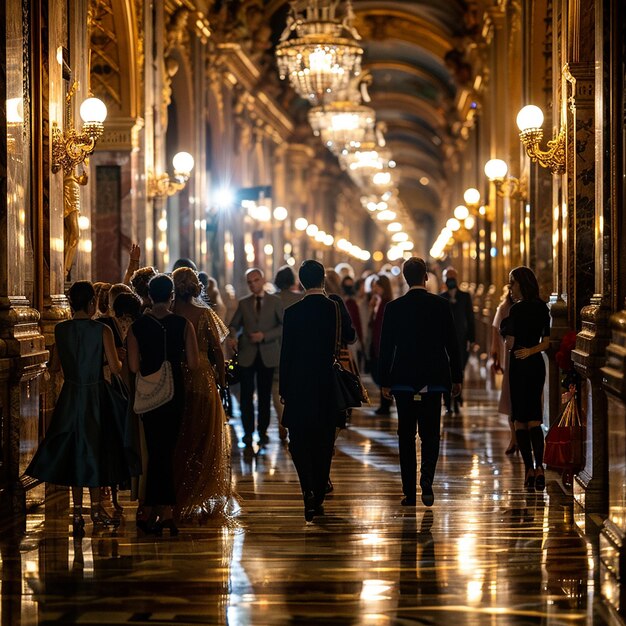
(269,321)
(418,345)
(463,314)
(306,360)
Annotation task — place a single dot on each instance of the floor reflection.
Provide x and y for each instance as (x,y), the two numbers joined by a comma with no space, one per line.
(488,553)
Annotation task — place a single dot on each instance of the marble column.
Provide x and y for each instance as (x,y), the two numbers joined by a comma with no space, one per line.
(590,485)
(613,534)
(22,350)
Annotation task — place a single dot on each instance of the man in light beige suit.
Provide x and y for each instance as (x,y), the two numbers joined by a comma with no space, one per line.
(255,330)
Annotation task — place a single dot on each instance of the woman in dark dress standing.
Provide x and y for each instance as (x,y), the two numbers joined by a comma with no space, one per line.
(527,335)
(152,338)
(381,288)
(83,446)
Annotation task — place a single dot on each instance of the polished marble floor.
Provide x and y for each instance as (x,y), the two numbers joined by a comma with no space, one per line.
(487,553)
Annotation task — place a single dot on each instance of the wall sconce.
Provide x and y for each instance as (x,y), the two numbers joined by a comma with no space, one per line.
(71,148)
(529,121)
(162,186)
(15,120)
(506,186)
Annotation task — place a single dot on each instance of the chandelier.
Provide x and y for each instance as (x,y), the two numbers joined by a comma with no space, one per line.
(325,55)
(342,125)
(369,167)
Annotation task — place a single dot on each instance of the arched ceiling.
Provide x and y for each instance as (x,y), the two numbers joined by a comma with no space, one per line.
(414,92)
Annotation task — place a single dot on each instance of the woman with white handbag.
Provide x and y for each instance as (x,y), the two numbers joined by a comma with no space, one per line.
(158,344)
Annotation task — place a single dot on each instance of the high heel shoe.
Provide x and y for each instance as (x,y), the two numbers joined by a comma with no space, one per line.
(100,517)
(157,528)
(540,482)
(529,482)
(512,449)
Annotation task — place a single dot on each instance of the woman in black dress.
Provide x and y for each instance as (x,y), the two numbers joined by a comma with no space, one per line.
(149,337)
(527,335)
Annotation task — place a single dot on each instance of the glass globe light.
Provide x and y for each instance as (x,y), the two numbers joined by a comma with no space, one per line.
(529,117)
(469,222)
(453,224)
(496,169)
(311,230)
(15,110)
(301,223)
(461,212)
(280,213)
(471,196)
(386,216)
(183,163)
(93,110)
(394,227)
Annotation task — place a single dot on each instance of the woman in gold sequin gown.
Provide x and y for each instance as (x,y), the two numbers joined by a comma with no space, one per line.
(202,462)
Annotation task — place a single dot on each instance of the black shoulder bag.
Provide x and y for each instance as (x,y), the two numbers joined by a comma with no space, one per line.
(347,391)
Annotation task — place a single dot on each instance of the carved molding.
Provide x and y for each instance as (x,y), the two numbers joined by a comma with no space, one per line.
(614,372)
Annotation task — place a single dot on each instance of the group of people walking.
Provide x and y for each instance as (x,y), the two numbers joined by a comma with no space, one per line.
(176,457)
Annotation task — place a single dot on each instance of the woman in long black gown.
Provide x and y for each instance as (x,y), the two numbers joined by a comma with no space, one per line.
(152,338)
(527,333)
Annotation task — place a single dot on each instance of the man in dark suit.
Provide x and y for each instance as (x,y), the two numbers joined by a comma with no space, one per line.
(419,360)
(255,330)
(463,314)
(305,384)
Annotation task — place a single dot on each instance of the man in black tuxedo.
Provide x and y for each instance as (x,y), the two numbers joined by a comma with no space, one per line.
(305,384)
(463,315)
(419,360)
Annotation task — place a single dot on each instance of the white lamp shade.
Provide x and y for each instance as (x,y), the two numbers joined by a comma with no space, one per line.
(453,224)
(471,196)
(15,110)
(496,169)
(183,162)
(461,212)
(93,110)
(530,116)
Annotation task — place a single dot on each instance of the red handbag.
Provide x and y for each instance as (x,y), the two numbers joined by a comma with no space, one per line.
(564,446)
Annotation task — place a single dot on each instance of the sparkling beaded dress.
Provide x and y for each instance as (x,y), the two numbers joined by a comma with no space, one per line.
(202,468)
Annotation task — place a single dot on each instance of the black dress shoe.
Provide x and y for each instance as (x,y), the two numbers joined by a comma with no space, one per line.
(310,506)
(247,440)
(263,439)
(408,501)
(428,497)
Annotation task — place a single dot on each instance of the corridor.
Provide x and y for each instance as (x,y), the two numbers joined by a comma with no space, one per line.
(487,552)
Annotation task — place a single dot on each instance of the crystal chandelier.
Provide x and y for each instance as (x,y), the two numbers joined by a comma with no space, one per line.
(342,125)
(325,55)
